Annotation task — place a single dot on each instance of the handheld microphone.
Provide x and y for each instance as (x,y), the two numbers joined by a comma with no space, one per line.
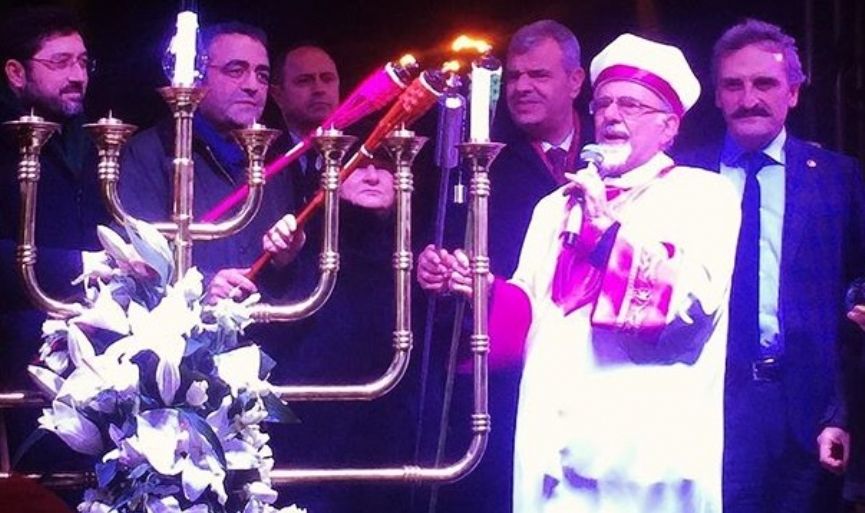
(593,155)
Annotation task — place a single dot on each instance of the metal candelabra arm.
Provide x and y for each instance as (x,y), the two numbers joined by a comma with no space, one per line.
(333,145)
(33,132)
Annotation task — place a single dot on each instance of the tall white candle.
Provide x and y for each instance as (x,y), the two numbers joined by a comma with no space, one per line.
(479,119)
(183,47)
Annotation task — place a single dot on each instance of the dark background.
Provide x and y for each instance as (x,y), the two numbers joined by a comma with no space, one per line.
(127,38)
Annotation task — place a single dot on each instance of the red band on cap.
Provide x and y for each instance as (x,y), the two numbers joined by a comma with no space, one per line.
(657,84)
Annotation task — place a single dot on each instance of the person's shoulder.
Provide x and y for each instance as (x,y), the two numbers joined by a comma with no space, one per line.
(555,200)
(150,138)
(703,185)
(706,156)
(815,154)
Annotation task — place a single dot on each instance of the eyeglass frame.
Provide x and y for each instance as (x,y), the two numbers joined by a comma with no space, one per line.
(244,68)
(644,108)
(63,64)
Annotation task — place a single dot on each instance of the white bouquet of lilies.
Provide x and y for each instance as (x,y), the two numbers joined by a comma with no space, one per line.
(159,388)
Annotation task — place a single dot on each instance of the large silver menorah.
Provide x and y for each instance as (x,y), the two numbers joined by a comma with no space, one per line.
(402,145)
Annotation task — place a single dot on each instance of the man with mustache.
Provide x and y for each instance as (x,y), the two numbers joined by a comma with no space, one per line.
(306,90)
(618,308)
(543,76)
(237,79)
(802,241)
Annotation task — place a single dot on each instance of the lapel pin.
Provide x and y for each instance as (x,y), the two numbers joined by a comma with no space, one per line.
(811,163)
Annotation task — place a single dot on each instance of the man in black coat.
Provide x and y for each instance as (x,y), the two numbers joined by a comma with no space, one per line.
(802,241)
(237,79)
(46,70)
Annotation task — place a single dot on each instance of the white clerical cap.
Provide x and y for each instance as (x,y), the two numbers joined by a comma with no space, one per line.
(659,67)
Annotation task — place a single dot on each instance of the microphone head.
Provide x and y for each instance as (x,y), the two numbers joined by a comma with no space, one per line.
(608,158)
(592,153)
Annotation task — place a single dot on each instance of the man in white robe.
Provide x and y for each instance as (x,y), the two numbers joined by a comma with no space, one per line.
(618,308)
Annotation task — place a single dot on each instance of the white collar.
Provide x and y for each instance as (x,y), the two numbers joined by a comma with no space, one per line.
(641,174)
(565,144)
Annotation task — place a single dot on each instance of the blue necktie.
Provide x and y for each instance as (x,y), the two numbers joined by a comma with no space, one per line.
(745,294)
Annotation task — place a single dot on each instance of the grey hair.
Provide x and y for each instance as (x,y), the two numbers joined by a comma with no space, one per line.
(766,35)
(529,36)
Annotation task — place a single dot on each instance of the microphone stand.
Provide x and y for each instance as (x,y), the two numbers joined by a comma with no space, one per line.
(451,123)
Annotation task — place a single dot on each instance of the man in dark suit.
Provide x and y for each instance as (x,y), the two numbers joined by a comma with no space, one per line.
(45,71)
(802,240)
(306,89)
(542,79)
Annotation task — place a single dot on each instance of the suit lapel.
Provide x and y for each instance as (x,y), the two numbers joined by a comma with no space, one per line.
(795,202)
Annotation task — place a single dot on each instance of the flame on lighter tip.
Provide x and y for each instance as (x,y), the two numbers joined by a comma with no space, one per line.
(464,42)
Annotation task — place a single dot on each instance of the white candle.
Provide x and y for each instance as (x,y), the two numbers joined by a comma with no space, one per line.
(479,119)
(183,47)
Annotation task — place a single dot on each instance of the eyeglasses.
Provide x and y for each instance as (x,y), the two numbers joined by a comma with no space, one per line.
(66,61)
(237,70)
(628,106)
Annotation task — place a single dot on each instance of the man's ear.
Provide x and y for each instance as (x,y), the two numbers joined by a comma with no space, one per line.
(671,128)
(576,82)
(794,95)
(16,74)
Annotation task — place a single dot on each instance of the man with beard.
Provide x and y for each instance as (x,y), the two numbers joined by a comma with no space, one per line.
(306,90)
(46,70)
(618,308)
(802,241)
(542,79)
(237,79)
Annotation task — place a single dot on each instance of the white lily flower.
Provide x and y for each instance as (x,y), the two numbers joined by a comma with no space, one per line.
(292,509)
(47,381)
(156,504)
(196,394)
(162,331)
(81,351)
(52,326)
(94,507)
(104,372)
(239,369)
(218,419)
(234,316)
(172,448)
(57,361)
(167,380)
(105,313)
(239,455)
(76,431)
(191,285)
(171,505)
(153,248)
(260,491)
(159,436)
(253,435)
(114,245)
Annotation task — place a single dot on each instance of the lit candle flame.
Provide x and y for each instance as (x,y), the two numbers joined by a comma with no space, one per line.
(407,60)
(464,42)
(451,66)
